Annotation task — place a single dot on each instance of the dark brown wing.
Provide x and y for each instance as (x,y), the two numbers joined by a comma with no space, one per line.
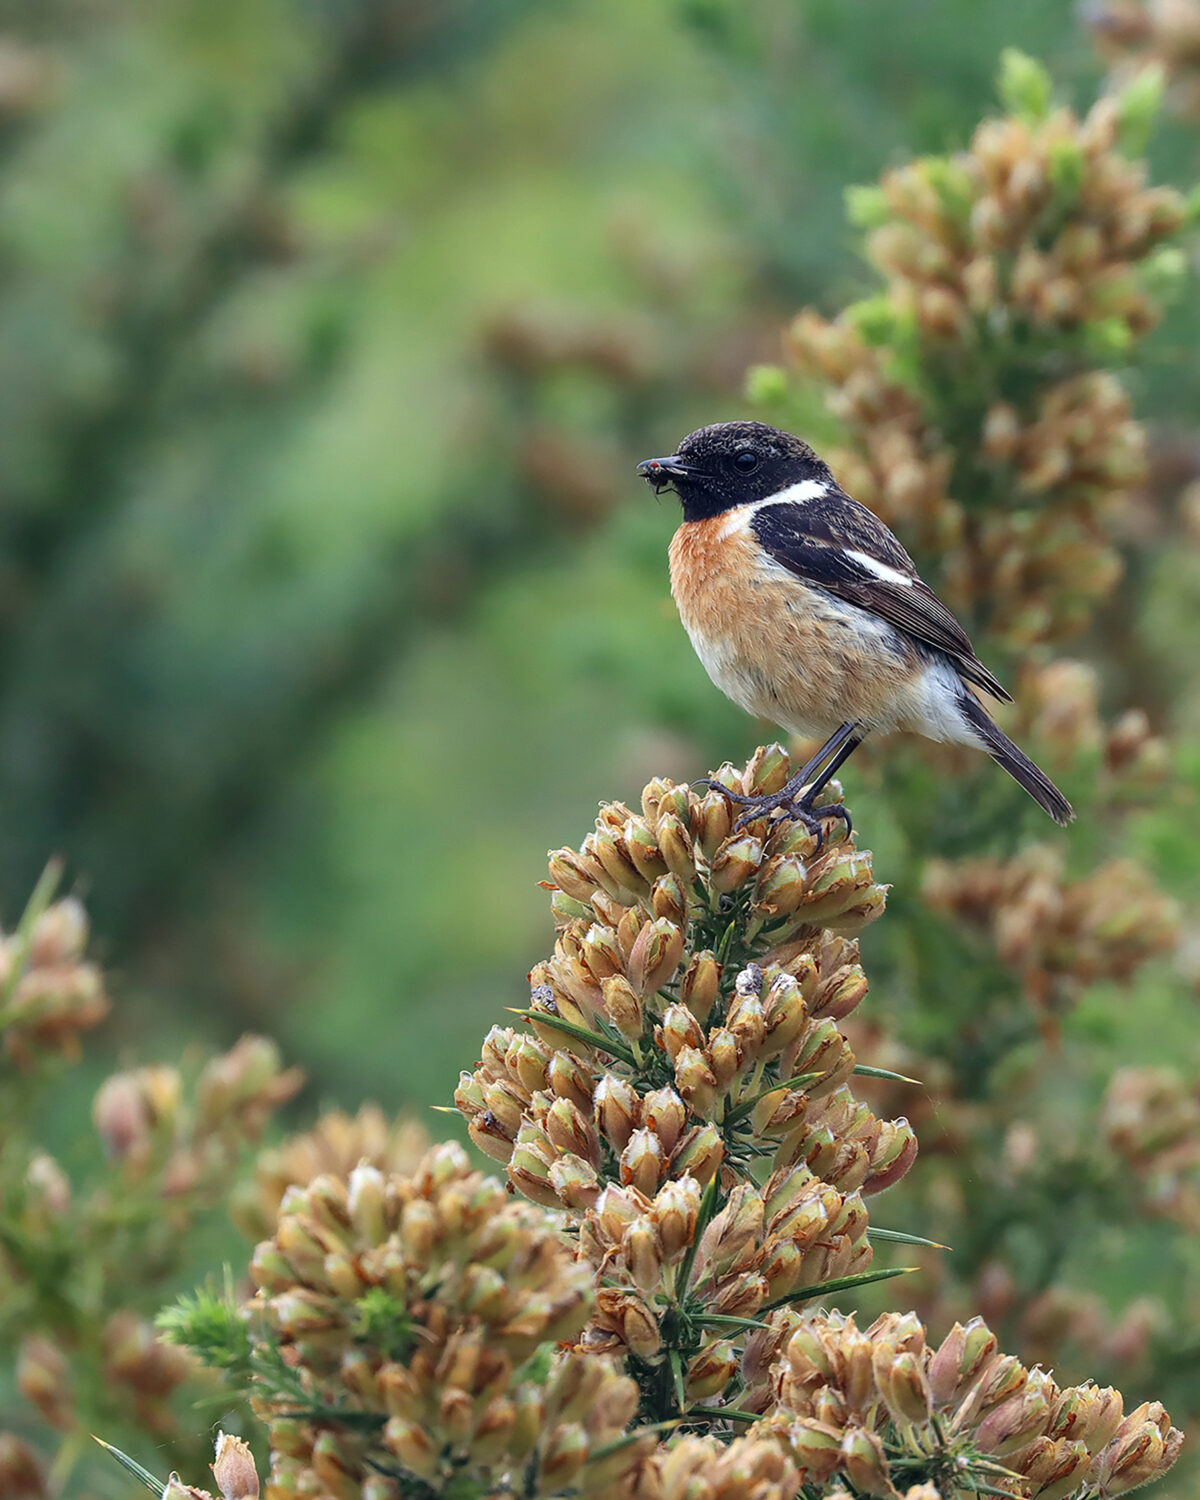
(818,540)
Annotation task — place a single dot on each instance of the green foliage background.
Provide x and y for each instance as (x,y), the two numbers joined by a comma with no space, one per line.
(326,607)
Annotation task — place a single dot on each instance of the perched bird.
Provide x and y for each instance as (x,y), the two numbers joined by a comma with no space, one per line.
(806,610)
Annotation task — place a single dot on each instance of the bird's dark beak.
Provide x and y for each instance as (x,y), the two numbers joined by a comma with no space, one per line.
(662,471)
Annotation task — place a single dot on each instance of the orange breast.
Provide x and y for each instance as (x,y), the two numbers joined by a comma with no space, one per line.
(784,651)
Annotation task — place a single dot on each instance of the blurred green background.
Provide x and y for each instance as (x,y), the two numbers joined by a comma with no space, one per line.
(330,334)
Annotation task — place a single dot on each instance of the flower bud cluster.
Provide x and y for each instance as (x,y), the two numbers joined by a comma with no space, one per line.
(406,1308)
(335,1145)
(1130,34)
(1150,1119)
(651,1056)
(1043,239)
(868,1406)
(1057,934)
(701,1468)
(760,1248)
(1044,216)
(156,1133)
(1060,703)
(171,1152)
(49,993)
(137,1369)
(141,1370)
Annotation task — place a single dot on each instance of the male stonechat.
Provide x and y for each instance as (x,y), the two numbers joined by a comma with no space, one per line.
(806,610)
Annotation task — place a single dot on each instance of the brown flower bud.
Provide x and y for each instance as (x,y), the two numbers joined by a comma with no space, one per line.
(864,1461)
(412,1445)
(712,817)
(639,1328)
(817,1449)
(669,899)
(622,1003)
(903,1385)
(1145,1447)
(122,1118)
(665,1114)
(43,1378)
(710,1372)
(529,1173)
(233,1469)
(1053,1468)
(964,1354)
(490,1136)
(48,1191)
(655,956)
(570,1130)
(617,1109)
(1023,1416)
(642,848)
(20,1476)
(616,862)
(767,771)
(779,889)
(785,1014)
(567,1077)
(576,875)
(676,1209)
(696,1081)
(699,1154)
(643,1162)
(734,862)
(679,1029)
(675,842)
(601,953)
(724,1058)
(700,985)
(576,1184)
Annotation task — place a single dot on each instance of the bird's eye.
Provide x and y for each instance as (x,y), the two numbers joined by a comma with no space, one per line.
(746,461)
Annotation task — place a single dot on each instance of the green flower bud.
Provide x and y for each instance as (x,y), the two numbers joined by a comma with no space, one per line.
(1024,86)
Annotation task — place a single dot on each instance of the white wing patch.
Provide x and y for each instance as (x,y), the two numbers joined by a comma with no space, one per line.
(880,570)
(794,494)
(806,489)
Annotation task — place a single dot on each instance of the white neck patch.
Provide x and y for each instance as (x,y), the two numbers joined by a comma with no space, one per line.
(793,494)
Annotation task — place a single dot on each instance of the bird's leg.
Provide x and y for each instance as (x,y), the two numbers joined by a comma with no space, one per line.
(809,780)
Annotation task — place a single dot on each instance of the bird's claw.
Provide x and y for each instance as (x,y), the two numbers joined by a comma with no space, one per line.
(785,807)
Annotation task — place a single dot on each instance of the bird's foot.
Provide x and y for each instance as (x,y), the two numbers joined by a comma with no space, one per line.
(788,804)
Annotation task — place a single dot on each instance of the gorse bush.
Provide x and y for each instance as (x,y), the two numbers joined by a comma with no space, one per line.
(678,1111)
(89,1250)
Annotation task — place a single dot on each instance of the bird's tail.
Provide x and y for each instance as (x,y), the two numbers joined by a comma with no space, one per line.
(1016,762)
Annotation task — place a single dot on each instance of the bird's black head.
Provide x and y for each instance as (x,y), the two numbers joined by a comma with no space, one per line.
(732,463)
